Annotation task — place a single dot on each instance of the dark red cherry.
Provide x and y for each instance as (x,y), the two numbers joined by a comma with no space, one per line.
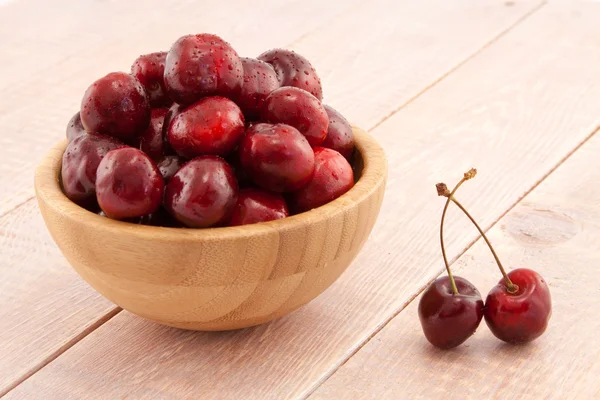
(202,193)
(260,80)
(242,177)
(202,65)
(75,128)
(449,319)
(152,140)
(169,165)
(79,164)
(332,178)
(277,157)
(521,316)
(116,105)
(128,184)
(294,70)
(213,125)
(300,109)
(339,135)
(149,69)
(255,205)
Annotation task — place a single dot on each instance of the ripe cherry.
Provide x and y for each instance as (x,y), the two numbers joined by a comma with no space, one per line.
(294,70)
(116,105)
(151,141)
(260,80)
(451,308)
(75,128)
(169,165)
(339,135)
(300,109)
(128,184)
(149,69)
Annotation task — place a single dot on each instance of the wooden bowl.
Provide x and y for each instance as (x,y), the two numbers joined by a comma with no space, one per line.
(218,278)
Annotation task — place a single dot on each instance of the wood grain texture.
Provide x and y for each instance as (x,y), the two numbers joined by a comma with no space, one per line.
(417,42)
(30,314)
(513,115)
(555,230)
(52,55)
(223,278)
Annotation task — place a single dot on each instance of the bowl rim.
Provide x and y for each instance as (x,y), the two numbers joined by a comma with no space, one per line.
(50,194)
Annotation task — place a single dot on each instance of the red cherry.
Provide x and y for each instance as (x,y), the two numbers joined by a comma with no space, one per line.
(521,316)
(300,109)
(213,125)
(128,184)
(75,128)
(202,65)
(202,193)
(255,205)
(149,69)
(152,140)
(169,165)
(277,157)
(260,80)
(294,70)
(79,164)
(116,105)
(339,135)
(449,319)
(332,178)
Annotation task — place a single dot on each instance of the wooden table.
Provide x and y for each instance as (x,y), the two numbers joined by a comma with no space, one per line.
(511,87)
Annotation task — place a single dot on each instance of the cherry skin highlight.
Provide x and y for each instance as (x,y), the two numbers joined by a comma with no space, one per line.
(255,205)
(149,69)
(116,105)
(203,193)
(294,70)
(332,178)
(276,157)
(211,126)
(449,319)
(300,109)
(339,134)
(80,163)
(202,65)
(522,316)
(128,184)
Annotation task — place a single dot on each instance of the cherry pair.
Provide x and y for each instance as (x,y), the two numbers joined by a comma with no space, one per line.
(516,310)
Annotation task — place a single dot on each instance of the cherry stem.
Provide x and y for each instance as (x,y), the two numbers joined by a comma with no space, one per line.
(511,287)
(443,191)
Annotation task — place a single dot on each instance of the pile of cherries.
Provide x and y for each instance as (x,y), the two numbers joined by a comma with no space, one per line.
(516,310)
(200,137)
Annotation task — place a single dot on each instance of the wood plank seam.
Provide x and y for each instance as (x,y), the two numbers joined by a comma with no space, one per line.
(58,352)
(493,40)
(451,262)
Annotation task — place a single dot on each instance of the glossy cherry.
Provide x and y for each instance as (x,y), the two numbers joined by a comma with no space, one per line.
(116,105)
(202,65)
(448,318)
(332,178)
(151,141)
(169,165)
(260,80)
(149,69)
(128,184)
(277,157)
(300,109)
(75,128)
(339,134)
(202,193)
(79,165)
(294,70)
(520,316)
(255,205)
(213,125)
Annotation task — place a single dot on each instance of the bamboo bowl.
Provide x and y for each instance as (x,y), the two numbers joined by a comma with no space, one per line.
(219,278)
